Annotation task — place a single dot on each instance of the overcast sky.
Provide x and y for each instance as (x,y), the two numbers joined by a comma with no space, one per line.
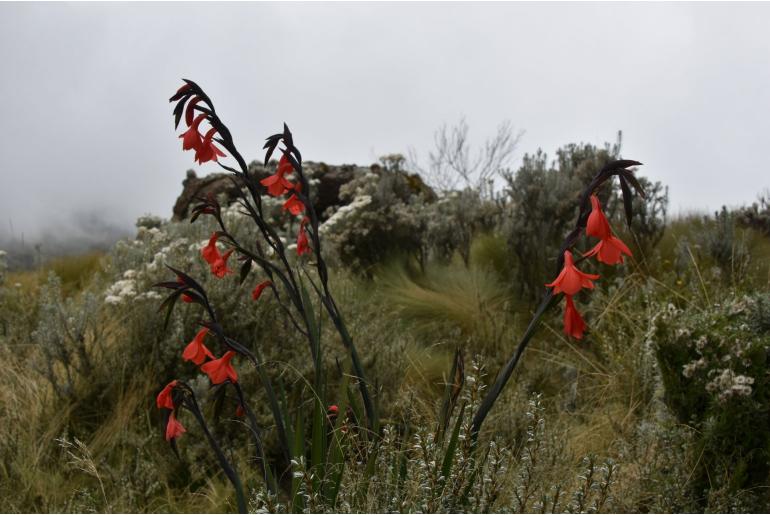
(86,127)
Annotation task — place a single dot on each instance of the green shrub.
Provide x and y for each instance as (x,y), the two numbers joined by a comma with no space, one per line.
(713,365)
(542,205)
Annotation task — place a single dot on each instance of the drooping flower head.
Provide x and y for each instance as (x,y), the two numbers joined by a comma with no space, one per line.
(303,246)
(609,251)
(207,151)
(174,428)
(164,399)
(574,325)
(219,267)
(277,184)
(293,204)
(191,138)
(220,370)
(257,291)
(210,252)
(196,351)
(571,280)
(597,224)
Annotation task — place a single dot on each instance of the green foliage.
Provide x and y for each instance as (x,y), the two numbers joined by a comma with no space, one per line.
(721,241)
(659,409)
(713,365)
(757,215)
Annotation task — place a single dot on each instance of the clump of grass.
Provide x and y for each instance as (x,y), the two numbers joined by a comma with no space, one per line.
(449,301)
(77,271)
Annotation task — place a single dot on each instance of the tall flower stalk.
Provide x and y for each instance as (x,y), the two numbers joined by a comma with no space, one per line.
(570,280)
(286,281)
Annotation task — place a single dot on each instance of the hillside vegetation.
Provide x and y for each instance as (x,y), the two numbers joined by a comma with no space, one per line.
(663,406)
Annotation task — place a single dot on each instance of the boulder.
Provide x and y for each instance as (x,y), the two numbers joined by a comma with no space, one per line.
(326,183)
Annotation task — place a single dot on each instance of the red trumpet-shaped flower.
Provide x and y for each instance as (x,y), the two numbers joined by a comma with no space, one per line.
(174,428)
(597,224)
(294,205)
(239,412)
(220,370)
(570,280)
(210,252)
(610,249)
(207,151)
(277,184)
(196,351)
(219,267)
(217,262)
(303,246)
(257,291)
(573,323)
(164,399)
(191,138)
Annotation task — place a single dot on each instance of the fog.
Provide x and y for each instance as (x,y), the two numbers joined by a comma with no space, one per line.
(88,144)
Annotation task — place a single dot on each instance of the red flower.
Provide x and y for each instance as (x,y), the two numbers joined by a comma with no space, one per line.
(294,205)
(164,399)
(239,411)
(277,184)
(210,252)
(207,151)
(257,292)
(573,322)
(597,224)
(332,411)
(570,280)
(196,351)
(303,247)
(220,370)
(174,428)
(610,249)
(219,267)
(191,138)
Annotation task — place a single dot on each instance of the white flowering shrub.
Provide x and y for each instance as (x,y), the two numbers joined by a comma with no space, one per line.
(713,365)
(385,216)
